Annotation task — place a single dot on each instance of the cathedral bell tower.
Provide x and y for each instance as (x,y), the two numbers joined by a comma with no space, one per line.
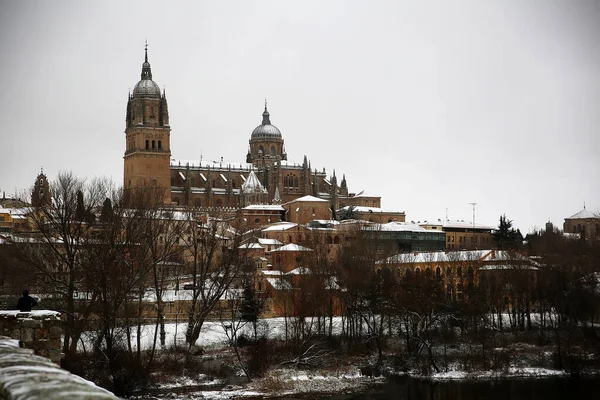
(147,131)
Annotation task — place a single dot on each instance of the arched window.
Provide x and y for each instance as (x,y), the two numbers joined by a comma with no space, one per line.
(449,272)
(329,240)
(154,144)
(160,144)
(428,273)
(417,272)
(438,272)
(261,150)
(273,151)
(197,203)
(285,182)
(336,240)
(470,273)
(147,144)
(296,181)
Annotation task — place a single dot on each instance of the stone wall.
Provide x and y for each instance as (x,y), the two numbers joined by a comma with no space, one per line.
(24,375)
(38,330)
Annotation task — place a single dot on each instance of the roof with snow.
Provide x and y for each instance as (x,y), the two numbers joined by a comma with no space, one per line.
(251,246)
(267,242)
(269,207)
(453,256)
(363,209)
(463,225)
(291,247)
(211,164)
(395,226)
(584,214)
(280,226)
(279,284)
(365,193)
(299,271)
(253,185)
(307,198)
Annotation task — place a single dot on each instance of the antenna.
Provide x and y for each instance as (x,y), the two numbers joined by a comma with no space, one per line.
(473,204)
(446,213)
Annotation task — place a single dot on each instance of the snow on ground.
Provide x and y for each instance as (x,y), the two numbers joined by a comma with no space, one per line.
(213,332)
(512,372)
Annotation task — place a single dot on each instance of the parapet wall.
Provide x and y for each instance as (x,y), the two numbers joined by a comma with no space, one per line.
(38,330)
(24,375)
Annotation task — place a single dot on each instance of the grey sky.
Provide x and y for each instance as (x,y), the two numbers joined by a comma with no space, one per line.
(430,104)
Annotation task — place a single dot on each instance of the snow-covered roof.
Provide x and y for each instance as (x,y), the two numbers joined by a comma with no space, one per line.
(464,225)
(363,209)
(452,256)
(584,214)
(224,165)
(279,284)
(365,193)
(307,198)
(253,185)
(271,272)
(395,226)
(267,242)
(299,271)
(270,207)
(251,246)
(291,247)
(280,226)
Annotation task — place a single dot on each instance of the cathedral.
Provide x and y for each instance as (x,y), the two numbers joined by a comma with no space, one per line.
(266,177)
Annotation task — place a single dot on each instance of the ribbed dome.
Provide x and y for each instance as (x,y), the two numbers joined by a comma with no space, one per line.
(266,130)
(146,88)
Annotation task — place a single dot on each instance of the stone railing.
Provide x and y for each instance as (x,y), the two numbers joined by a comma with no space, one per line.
(38,330)
(24,375)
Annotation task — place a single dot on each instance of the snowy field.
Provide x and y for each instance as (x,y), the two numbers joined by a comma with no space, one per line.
(213,332)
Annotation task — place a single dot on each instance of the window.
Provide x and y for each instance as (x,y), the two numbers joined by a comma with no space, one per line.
(197,203)
(256,220)
(449,272)
(147,144)
(438,272)
(273,151)
(160,144)
(218,203)
(154,144)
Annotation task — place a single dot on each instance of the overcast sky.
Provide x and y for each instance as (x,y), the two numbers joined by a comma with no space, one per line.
(430,104)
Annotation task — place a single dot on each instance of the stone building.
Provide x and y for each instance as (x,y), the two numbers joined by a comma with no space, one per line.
(585,224)
(219,186)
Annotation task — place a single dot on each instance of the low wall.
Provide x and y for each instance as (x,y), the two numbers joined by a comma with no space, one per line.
(38,330)
(24,375)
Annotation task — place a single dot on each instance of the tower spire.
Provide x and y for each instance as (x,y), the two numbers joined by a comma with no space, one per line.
(146,71)
(266,120)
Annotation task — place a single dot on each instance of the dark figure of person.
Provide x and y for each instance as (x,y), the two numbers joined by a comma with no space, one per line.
(26,302)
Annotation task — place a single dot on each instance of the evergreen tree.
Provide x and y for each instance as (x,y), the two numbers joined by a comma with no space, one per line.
(506,237)
(251,307)
(106,215)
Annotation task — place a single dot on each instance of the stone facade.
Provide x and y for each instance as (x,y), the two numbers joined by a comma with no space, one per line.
(38,330)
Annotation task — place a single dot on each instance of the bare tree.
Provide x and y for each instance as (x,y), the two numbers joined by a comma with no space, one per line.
(65,228)
(214,262)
